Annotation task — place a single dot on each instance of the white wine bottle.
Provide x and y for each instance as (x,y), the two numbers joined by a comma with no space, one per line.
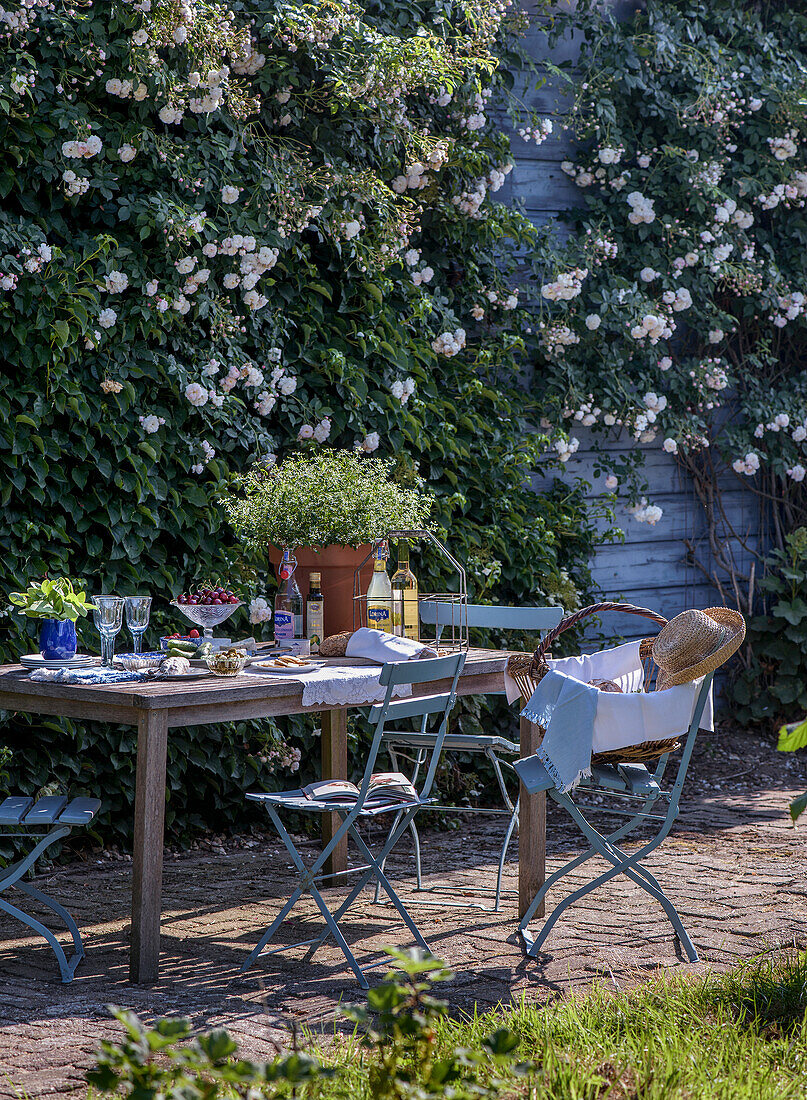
(404,596)
(379,593)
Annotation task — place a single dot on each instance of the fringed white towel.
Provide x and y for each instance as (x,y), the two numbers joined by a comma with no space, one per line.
(580,720)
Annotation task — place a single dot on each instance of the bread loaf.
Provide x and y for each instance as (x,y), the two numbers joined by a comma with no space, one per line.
(335,646)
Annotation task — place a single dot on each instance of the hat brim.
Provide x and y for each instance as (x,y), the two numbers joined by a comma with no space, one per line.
(725,617)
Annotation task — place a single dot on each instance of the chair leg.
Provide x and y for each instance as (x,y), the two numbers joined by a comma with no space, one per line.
(306,881)
(622,831)
(60,911)
(622,864)
(67,967)
(503,855)
(392,839)
(396,901)
(340,939)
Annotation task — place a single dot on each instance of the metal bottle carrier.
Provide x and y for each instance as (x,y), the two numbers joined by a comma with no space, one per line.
(447,612)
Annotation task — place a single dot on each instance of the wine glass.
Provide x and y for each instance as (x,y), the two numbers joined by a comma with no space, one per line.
(108,615)
(138,609)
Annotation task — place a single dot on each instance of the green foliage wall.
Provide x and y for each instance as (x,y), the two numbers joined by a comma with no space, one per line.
(226,233)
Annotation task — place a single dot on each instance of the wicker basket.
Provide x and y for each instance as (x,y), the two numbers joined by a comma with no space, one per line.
(528,668)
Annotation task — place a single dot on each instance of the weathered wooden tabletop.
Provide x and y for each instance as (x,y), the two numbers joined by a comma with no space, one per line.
(157,707)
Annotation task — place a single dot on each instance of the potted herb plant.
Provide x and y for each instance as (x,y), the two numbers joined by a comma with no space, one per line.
(59,604)
(327,507)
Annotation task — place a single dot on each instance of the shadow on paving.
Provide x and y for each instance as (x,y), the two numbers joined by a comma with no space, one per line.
(734,867)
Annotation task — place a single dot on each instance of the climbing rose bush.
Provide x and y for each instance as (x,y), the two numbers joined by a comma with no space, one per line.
(677,313)
(229,233)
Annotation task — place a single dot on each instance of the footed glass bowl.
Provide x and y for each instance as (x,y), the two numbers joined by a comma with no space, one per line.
(207,615)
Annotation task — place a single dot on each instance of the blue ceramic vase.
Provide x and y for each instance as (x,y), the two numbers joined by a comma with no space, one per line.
(57,640)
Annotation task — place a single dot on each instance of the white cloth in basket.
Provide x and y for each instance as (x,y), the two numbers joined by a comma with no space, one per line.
(577,727)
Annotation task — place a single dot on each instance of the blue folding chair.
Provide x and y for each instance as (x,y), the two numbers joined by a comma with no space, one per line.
(435,707)
(421,743)
(20,816)
(636,791)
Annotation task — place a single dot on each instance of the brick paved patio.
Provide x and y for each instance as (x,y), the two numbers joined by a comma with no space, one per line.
(734,867)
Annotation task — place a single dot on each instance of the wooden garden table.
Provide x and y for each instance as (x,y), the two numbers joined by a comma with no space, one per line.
(155,708)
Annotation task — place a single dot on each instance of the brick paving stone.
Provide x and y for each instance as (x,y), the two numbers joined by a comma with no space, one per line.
(733,865)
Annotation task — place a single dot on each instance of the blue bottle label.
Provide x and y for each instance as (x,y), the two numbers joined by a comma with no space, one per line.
(284,626)
(379,617)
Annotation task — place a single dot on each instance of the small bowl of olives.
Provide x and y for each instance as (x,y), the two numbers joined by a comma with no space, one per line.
(227,662)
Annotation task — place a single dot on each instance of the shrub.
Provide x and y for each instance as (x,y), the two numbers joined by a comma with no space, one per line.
(330,497)
(231,232)
(677,313)
(773,687)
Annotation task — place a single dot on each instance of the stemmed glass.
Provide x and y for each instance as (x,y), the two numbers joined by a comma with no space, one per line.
(108,615)
(138,609)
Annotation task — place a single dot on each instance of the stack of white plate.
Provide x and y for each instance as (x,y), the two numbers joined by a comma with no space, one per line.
(36,660)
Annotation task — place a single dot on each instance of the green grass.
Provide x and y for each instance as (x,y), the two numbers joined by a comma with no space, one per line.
(735,1036)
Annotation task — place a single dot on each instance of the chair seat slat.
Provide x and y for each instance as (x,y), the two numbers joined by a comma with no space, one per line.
(80,811)
(458,741)
(46,810)
(14,808)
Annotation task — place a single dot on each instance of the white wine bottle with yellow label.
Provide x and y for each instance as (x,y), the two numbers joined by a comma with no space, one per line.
(404,596)
(379,593)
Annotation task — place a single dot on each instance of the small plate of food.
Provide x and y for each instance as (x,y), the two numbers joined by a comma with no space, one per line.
(288,665)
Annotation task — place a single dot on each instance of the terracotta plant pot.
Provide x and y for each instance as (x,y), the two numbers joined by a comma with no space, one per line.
(337,565)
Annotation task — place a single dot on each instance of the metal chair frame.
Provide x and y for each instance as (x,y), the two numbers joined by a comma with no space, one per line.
(606,780)
(390,710)
(19,817)
(495,616)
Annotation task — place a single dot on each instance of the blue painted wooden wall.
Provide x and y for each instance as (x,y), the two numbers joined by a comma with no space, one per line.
(650,567)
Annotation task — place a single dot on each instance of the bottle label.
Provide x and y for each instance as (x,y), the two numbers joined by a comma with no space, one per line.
(284,626)
(379,617)
(314,623)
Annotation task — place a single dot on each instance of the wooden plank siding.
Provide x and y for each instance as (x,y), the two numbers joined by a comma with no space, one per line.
(651,567)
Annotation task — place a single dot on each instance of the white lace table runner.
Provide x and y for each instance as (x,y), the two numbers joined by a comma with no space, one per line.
(343,686)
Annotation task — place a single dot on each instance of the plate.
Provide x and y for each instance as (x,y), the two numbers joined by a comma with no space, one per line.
(288,670)
(36,660)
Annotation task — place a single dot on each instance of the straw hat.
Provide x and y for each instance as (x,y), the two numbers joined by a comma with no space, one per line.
(696,642)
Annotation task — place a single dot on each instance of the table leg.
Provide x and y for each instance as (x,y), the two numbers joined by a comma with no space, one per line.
(334,766)
(147,870)
(531,829)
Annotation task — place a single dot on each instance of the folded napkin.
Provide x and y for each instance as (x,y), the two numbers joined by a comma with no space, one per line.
(378,645)
(88,676)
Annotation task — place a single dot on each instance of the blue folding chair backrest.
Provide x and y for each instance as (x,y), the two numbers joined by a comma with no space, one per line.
(489,616)
(420,706)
